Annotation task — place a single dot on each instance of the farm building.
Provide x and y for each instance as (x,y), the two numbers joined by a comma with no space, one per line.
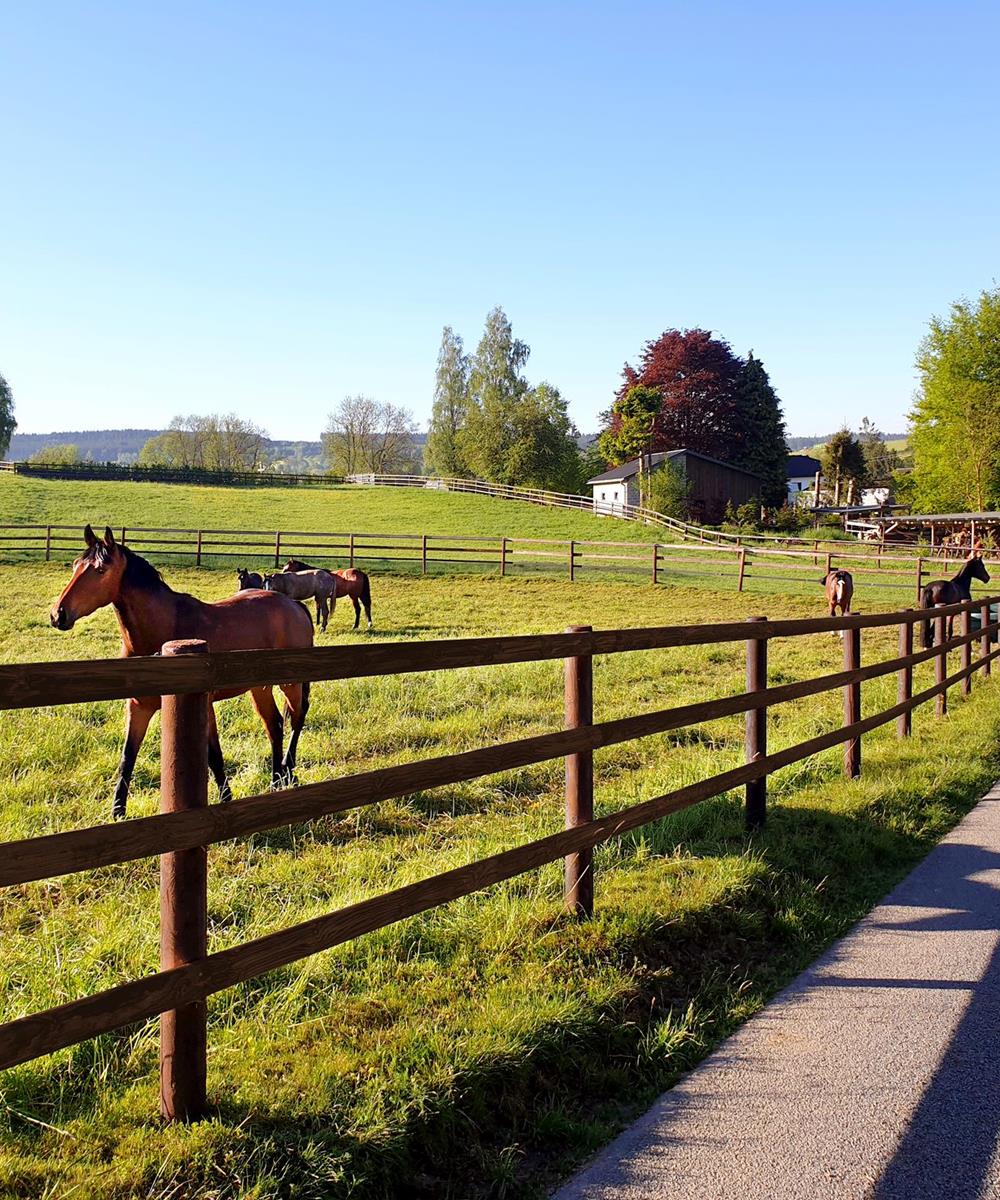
(713,484)
(802,470)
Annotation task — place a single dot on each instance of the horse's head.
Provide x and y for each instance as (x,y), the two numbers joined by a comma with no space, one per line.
(96,580)
(268,582)
(978,570)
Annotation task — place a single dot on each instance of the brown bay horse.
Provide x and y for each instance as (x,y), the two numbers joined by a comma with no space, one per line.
(150,613)
(839,586)
(351,582)
(951,591)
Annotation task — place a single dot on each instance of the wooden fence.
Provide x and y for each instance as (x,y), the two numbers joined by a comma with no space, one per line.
(186,673)
(658,562)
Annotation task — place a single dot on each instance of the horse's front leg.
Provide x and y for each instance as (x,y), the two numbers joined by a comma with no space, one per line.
(138,714)
(216,763)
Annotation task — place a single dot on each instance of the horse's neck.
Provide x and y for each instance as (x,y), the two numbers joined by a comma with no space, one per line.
(964,578)
(147,617)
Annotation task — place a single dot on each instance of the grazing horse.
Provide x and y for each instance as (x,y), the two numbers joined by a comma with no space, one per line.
(304,585)
(249,579)
(952,591)
(839,586)
(351,582)
(150,613)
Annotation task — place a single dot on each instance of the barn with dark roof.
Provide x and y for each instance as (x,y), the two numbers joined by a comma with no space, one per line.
(713,484)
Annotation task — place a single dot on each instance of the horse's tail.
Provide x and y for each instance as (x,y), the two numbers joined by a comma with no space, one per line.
(926,601)
(366,595)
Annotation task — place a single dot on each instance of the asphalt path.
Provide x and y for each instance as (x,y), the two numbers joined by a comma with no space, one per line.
(875,1074)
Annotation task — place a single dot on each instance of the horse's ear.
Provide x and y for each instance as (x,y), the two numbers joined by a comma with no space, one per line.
(109,537)
(89,537)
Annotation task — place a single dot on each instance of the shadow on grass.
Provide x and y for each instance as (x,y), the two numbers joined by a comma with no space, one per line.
(507,1127)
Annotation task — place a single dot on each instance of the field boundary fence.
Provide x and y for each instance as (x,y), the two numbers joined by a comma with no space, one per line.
(739,567)
(135,473)
(186,673)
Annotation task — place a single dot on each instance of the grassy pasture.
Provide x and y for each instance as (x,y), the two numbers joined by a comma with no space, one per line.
(480,1049)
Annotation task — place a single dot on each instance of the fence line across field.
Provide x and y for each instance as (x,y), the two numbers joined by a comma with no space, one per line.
(657,561)
(187,673)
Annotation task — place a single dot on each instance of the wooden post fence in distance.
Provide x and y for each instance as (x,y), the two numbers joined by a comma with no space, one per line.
(572,560)
(920,578)
(277,550)
(852,701)
(966,652)
(503,557)
(656,562)
(904,722)
(183,896)
(350,550)
(984,641)
(579,701)
(756,730)
(48,542)
(743,569)
(198,551)
(423,554)
(940,664)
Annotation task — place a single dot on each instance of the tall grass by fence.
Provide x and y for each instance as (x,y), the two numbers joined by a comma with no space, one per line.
(186,674)
(739,567)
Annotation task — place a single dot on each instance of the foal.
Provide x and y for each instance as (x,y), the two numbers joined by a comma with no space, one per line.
(952,591)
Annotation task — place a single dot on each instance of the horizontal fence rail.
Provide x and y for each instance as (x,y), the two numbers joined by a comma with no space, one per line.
(135,473)
(734,566)
(186,676)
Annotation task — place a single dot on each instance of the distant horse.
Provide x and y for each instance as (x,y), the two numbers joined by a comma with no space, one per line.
(952,591)
(249,579)
(150,613)
(313,583)
(839,586)
(351,582)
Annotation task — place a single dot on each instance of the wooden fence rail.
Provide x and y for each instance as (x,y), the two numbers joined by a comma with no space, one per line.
(186,673)
(658,562)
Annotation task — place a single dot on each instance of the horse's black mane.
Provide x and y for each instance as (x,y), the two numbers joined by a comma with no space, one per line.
(138,572)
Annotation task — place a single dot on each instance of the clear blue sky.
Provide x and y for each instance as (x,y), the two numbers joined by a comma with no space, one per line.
(262,207)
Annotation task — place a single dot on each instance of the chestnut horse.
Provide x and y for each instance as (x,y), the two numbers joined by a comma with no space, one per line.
(839,591)
(351,582)
(150,613)
(952,591)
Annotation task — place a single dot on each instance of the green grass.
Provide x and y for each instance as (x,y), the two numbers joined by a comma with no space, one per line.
(481,1049)
(338,509)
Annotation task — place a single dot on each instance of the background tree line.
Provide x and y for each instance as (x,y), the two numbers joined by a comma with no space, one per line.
(208,443)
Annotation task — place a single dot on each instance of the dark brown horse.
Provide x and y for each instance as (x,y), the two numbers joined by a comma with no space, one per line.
(150,613)
(952,591)
(351,582)
(249,579)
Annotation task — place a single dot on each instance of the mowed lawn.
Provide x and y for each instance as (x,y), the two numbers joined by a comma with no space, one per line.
(484,1047)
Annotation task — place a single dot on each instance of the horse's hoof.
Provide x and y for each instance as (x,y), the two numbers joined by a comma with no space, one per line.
(118,814)
(225,794)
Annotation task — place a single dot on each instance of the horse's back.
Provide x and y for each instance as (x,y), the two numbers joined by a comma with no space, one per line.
(252,620)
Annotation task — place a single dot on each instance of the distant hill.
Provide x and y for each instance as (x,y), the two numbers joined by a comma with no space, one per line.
(813,443)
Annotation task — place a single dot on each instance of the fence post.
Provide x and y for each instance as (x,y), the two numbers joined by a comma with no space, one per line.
(743,568)
(503,557)
(277,550)
(920,578)
(852,701)
(579,701)
(756,730)
(904,722)
(984,641)
(183,896)
(966,653)
(198,551)
(940,663)
(350,550)
(48,542)
(656,563)
(423,554)
(572,561)
(816,555)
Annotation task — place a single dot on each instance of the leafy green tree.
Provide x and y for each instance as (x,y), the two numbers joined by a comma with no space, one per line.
(57,456)
(496,386)
(207,443)
(7,422)
(761,447)
(669,490)
(593,461)
(881,461)
(843,465)
(630,432)
(442,454)
(956,418)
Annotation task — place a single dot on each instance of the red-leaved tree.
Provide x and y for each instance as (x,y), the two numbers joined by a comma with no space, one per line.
(696,374)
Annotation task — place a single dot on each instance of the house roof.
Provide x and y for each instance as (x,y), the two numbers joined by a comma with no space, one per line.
(802,464)
(630,469)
